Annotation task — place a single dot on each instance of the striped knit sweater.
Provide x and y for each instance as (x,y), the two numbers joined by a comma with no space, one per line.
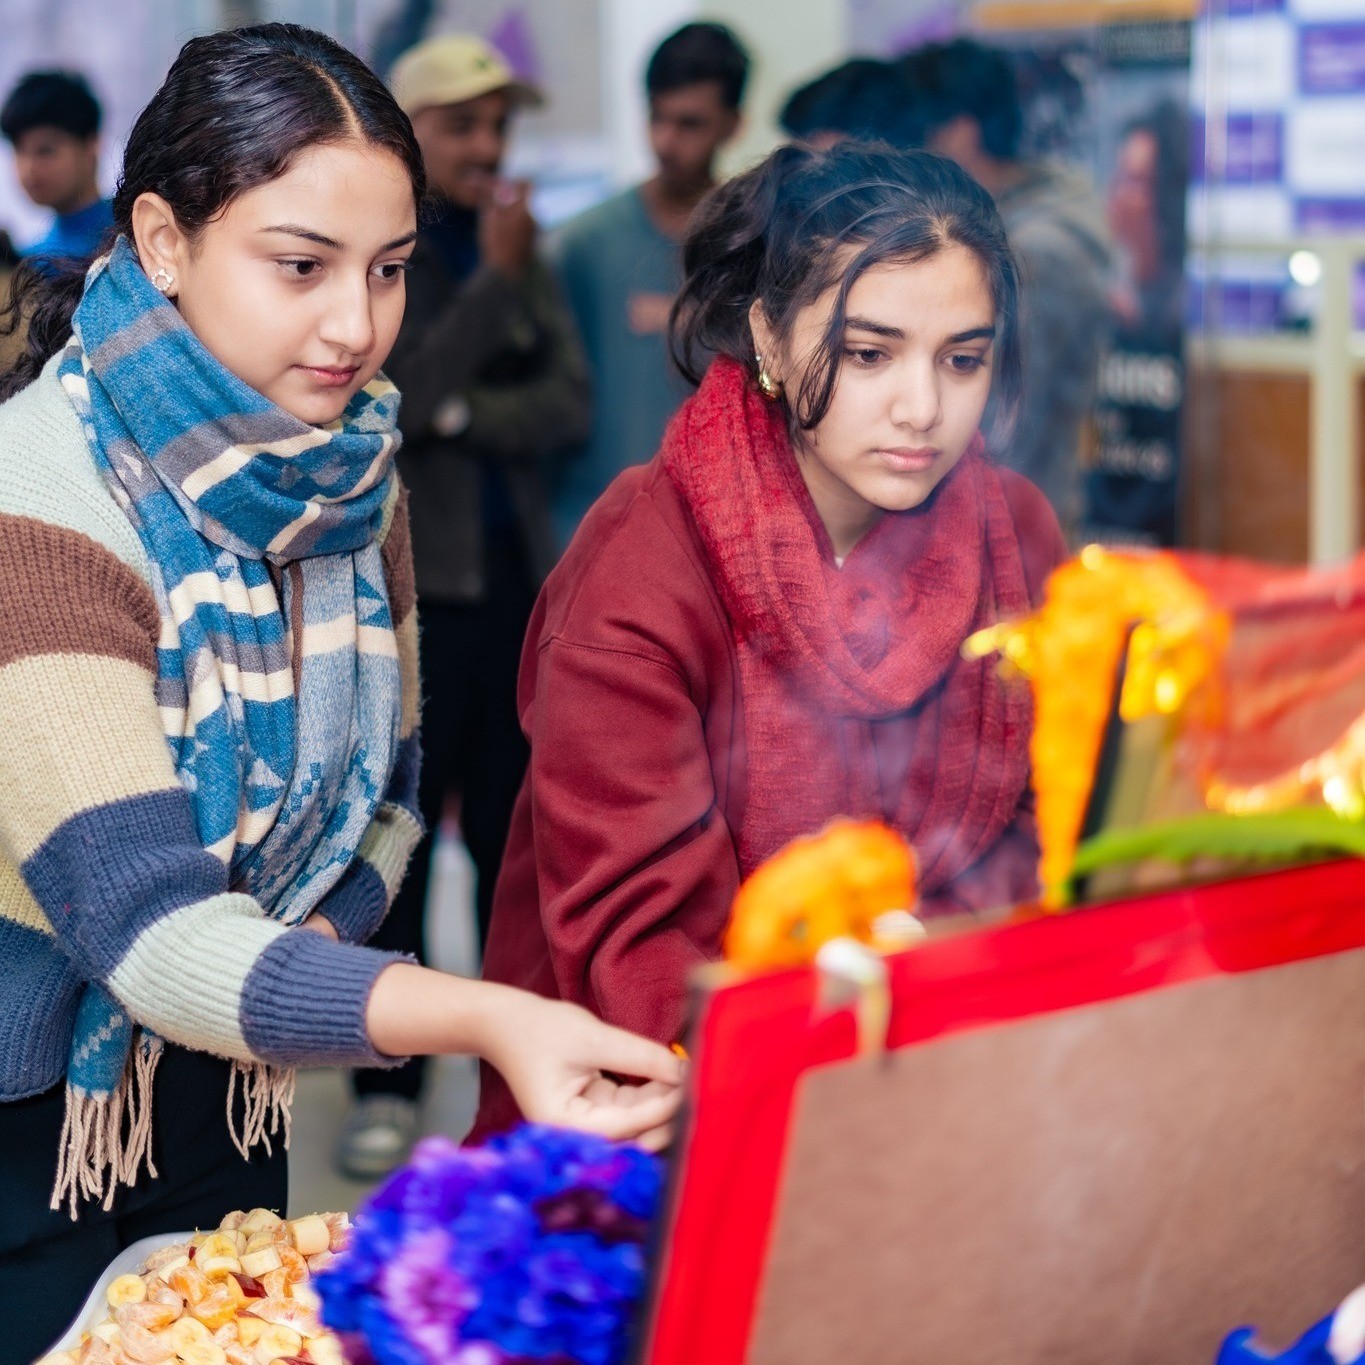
(102,877)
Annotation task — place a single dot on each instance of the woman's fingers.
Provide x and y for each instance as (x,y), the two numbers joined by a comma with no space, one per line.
(626,1113)
(629,1055)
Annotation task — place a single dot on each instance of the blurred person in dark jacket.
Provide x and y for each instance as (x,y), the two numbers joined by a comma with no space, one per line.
(1055,219)
(493,381)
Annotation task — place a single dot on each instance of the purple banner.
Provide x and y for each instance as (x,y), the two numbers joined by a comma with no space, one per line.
(1330,215)
(1239,9)
(1332,59)
(1252,152)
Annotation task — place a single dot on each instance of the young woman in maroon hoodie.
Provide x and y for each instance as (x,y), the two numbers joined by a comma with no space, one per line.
(761,629)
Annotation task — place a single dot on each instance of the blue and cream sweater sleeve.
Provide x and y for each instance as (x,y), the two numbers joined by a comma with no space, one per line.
(101,834)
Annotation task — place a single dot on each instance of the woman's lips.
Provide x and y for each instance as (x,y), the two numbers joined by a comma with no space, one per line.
(330,378)
(909,459)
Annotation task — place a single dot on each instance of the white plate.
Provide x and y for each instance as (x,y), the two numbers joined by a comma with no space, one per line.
(127,1262)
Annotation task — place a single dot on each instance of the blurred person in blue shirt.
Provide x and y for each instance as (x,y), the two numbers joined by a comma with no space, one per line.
(52,120)
(620,264)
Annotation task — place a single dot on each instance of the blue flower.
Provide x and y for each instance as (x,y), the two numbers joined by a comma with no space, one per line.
(529,1249)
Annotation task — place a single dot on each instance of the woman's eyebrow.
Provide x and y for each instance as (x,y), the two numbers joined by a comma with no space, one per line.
(883,329)
(308,235)
(976,334)
(880,329)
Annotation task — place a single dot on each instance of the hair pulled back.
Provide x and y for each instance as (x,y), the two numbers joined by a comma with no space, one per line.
(235,110)
(777,234)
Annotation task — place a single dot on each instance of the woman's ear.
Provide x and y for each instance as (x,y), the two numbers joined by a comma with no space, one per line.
(161,244)
(765,340)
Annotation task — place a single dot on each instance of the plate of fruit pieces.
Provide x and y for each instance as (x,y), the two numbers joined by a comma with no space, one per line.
(239,1295)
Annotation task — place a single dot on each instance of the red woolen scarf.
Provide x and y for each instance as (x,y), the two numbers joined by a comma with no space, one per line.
(823,651)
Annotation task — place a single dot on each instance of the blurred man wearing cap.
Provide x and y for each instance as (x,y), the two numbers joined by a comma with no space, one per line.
(621,264)
(493,382)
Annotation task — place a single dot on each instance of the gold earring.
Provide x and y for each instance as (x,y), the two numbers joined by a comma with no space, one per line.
(769,387)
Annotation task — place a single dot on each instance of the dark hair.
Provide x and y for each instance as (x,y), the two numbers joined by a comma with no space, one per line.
(774,234)
(51,99)
(234,111)
(864,98)
(697,53)
(1169,127)
(968,78)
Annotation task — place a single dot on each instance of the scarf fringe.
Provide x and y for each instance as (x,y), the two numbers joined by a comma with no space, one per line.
(267,1100)
(107,1139)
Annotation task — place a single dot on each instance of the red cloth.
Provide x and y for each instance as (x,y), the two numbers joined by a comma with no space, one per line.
(823,649)
(623,856)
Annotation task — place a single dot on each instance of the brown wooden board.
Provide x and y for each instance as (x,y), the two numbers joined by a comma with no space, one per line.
(1121,1183)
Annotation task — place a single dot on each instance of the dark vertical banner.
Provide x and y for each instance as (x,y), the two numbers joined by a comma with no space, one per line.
(1133,485)
(1115,98)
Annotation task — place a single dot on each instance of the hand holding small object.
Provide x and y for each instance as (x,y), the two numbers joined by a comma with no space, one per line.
(558,1059)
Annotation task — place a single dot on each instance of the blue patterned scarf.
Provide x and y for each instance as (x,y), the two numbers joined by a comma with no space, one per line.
(221,485)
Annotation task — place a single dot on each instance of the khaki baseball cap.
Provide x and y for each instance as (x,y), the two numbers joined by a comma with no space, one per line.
(453,68)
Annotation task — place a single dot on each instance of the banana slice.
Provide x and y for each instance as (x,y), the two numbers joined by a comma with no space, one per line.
(276,1342)
(204,1353)
(217,1255)
(168,1268)
(258,1263)
(258,1219)
(249,1329)
(185,1333)
(311,1235)
(126,1289)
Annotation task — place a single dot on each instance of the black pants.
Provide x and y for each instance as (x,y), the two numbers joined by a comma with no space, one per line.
(473,747)
(48,1264)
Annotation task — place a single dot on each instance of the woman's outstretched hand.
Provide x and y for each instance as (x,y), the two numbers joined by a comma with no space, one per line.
(554,1055)
(557,1059)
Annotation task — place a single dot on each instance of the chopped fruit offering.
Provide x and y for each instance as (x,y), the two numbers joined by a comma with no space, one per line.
(239,1294)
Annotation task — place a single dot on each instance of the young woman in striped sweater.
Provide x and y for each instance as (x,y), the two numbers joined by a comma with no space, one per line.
(208,684)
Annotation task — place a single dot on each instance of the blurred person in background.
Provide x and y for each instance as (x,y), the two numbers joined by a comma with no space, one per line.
(493,381)
(620,260)
(11,341)
(1056,225)
(52,120)
(865,99)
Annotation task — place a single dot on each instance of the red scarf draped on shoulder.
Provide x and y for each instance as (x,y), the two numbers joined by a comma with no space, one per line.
(823,651)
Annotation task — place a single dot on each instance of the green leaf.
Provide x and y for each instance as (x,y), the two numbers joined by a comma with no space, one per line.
(1278,837)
